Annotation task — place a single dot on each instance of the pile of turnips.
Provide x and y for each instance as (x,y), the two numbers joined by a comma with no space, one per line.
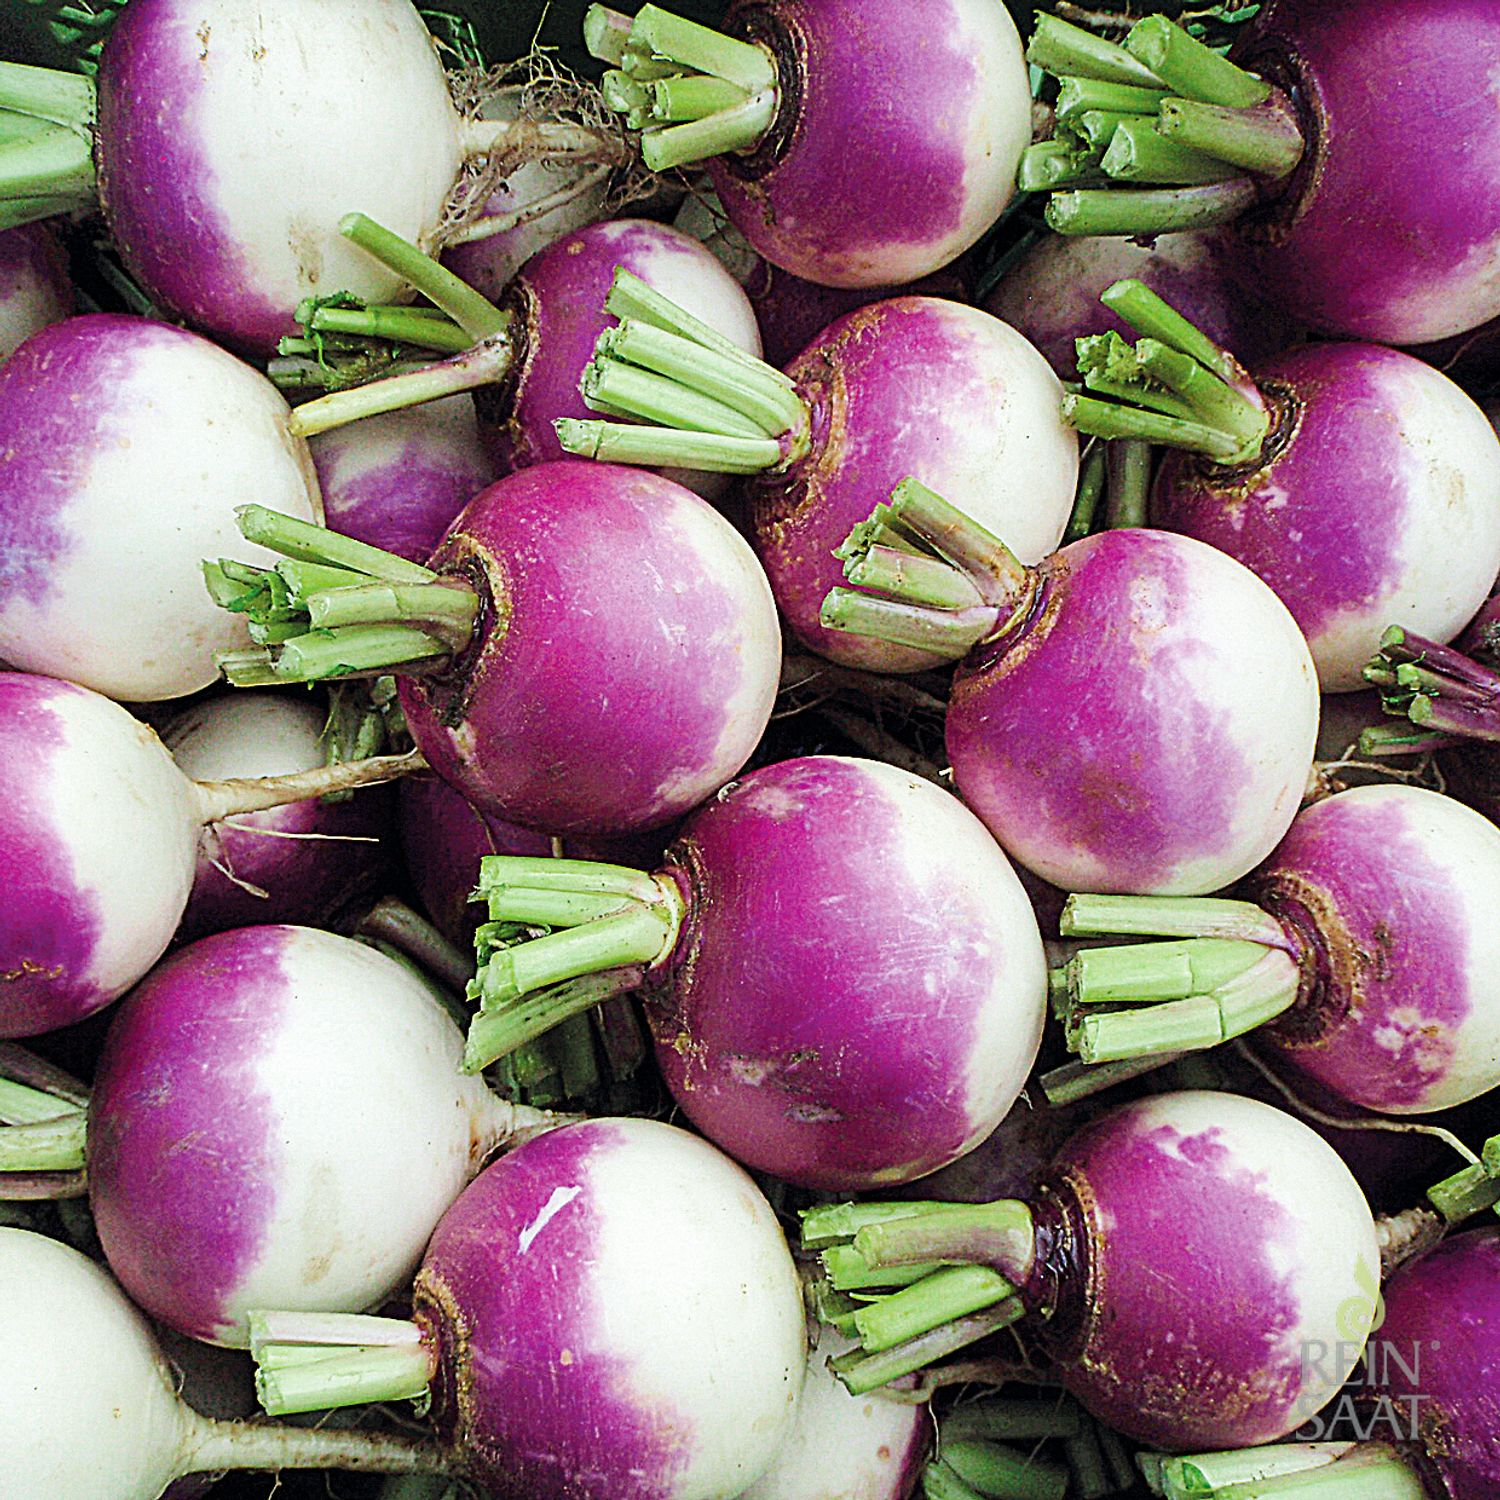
(686,812)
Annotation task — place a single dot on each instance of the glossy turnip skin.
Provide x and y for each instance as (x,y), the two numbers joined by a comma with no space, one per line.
(278,1120)
(232,139)
(1389,229)
(1376,502)
(846,1447)
(398,479)
(558,297)
(1191,1248)
(911,386)
(1147,728)
(893,958)
(311,859)
(125,447)
(1442,1326)
(1387,895)
(34,285)
(615,1316)
(98,838)
(891,153)
(627,657)
(1052,295)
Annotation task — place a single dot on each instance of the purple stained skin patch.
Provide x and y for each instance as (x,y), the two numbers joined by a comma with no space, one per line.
(156,185)
(1392,950)
(601,704)
(1086,739)
(528,1388)
(1382,244)
(183,1157)
(1437,1357)
(819,1014)
(832,215)
(1186,1303)
(50,928)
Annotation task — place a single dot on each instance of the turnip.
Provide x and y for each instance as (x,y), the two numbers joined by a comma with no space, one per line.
(909,385)
(99,836)
(1178,1262)
(349,1133)
(304,862)
(893,958)
(397,481)
(1365,953)
(1426,1398)
(34,285)
(846,148)
(1360,483)
(608,1311)
(1350,236)
(1051,295)
(96,1416)
(593,648)
(125,446)
(225,139)
(849,1447)
(1096,691)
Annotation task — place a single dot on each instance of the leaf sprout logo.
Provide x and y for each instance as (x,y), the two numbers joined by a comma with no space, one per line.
(1360,1316)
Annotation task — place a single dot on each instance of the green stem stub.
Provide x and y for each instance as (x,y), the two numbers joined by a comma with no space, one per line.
(317,1361)
(47,147)
(1437,688)
(335,607)
(692,91)
(1472,1190)
(563,935)
(1174,386)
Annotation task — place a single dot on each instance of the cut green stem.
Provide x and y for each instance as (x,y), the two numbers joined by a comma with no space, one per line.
(401,324)
(494,1034)
(315,1362)
(1129,483)
(1190,69)
(53,1144)
(1069,51)
(1137,153)
(1146,211)
(1169,917)
(998,1235)
(1264,139)
(865,1372)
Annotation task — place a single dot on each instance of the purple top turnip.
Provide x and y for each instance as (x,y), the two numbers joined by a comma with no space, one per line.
(1096,689)
(608,1313)
(893,956)
(99,832)
(592,648)
(1372,222)
(912,385)
(96,1415)
(1360,483)
(305,862)
(316,1082)
(845,148)
(125,446)
(34,285)
(1182,1258)
(398,479)
(229,136)
(1365,955)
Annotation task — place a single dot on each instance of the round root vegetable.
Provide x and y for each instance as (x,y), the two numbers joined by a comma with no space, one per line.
(1052,295)
(96,1416)
(228,137)
(1372,221)
(241,1153)
(99,834)
(1096,689)
(597,649)
(126,446)
(397,480)
(1360,483)
(530,353)
(1366,955)
(1430,1380)
(34,285)
(1181,1258)
(894,959)
(846,148)
(304,862)
(852,1447)
(609,1311)
(910,385)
